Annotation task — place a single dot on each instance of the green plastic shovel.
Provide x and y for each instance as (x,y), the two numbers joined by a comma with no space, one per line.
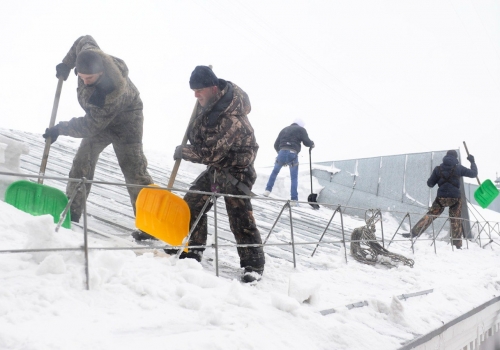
(37,198)
(486,192)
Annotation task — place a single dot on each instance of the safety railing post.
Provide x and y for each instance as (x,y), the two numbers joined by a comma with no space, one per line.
(382,228)
(411,234)
(216,237)
(291,234)
(85,233)
(275,222)
(326,228)
(434,238)
(343,234)
(400,224)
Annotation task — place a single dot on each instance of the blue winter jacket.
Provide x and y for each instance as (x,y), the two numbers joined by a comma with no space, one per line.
(447,177)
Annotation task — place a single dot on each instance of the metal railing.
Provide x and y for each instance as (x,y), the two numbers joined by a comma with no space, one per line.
(489,229)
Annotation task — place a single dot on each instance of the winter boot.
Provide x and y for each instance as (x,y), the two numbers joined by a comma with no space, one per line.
(252,274)
(74,216)
(142,236)
(192,254)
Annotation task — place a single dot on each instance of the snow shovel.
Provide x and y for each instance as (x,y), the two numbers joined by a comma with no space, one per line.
(37,198)
(313,197)
(161,213)
(486,192)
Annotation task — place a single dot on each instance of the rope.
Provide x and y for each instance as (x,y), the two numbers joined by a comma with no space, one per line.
(366,249)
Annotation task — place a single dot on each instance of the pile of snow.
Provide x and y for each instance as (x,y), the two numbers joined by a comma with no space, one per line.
(10,159)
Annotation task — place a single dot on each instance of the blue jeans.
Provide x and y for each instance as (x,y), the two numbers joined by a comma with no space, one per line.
(286,157)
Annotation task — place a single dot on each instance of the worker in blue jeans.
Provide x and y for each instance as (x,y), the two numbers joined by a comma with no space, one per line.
(288,146)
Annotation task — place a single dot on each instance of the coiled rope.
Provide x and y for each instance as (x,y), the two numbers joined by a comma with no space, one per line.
(366,249)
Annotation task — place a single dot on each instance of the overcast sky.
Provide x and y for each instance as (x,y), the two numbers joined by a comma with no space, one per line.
(369,78)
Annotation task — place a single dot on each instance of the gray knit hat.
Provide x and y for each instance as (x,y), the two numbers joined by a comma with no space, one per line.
(89,62)
(203,77)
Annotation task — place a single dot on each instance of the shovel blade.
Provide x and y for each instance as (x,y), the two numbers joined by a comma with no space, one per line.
(38,199)
(313,197)
(486,193)
(163,215)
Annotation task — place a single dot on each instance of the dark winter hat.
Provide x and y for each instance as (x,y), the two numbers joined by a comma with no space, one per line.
(202,77)
(89,62)
(452,153)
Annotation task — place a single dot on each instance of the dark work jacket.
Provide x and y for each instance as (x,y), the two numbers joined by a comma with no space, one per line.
(291,137)
(448,179)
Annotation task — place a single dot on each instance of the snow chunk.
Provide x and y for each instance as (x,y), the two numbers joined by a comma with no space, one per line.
(284,303)
(304,287)
(53,263)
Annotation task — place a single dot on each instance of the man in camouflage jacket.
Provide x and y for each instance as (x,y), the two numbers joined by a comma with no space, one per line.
(221,137)
(113,115)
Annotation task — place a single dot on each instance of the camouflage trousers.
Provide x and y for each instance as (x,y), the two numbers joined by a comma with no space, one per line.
(455,211)
(130,157)
(239,211)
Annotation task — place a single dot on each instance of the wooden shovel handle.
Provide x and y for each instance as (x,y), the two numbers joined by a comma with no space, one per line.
(173,174)
(466,150)
(48,140)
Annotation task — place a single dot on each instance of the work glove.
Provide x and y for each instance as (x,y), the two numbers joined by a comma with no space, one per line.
(178,153)
(312,146)
(62,71)
(52,132)
(470,158)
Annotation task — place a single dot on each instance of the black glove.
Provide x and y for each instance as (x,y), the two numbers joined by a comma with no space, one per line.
(178,153)
(52,132)
(62,71)
(312,146)
(470,158)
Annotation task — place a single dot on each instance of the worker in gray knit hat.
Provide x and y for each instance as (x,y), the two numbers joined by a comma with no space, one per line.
(113,115)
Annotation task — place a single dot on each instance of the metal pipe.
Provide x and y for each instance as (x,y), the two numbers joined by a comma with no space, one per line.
(326,228)
(291,234)
(214,199)
(85,233)
(275,222)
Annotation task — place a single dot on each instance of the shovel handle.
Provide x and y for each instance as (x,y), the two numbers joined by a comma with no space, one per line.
(173,174)
(177,164)
(466,150)
(48,140)
(310,169)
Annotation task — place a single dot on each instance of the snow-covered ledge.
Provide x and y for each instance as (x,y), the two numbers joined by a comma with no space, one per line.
(10,160)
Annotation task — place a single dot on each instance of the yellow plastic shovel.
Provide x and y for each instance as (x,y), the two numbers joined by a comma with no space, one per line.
(486,192)
(161,213)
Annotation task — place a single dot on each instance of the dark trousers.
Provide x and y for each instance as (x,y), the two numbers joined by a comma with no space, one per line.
(239,211)
(455,211)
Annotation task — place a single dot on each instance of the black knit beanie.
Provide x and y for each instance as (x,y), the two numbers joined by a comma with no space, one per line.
(202,77)
(89,62)
(452,153)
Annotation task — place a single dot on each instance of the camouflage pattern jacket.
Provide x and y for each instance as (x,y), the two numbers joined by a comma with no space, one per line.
(221,135)
(112,104)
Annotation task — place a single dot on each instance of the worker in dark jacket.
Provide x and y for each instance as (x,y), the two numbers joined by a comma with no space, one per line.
(447,177)
(222,138)
(288,146)
(113,115)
